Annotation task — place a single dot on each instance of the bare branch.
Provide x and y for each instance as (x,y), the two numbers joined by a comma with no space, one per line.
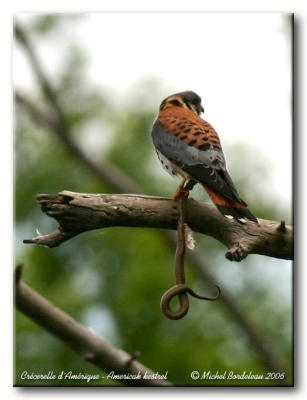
(81,212)
(266,349)
(84,341)
(103,171)
(119,181)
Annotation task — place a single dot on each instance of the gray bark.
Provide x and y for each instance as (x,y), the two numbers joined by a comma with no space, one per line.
(87,343)
(80,212)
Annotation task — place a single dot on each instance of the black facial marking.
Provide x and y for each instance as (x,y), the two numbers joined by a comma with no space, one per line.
(162,104)
(176,103)
(188,97)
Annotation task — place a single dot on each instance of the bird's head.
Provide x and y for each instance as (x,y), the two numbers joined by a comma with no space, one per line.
(188,99)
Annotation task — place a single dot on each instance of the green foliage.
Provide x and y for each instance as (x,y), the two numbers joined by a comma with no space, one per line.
(112,280)
(50,23)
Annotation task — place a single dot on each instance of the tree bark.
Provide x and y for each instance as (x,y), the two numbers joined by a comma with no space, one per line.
(55,121)
(80,212)
(87,343)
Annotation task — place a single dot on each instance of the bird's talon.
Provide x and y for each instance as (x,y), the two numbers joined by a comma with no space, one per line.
(179,193)
(189,146)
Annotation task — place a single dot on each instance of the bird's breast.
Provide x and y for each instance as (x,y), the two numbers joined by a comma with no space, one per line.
(170,167)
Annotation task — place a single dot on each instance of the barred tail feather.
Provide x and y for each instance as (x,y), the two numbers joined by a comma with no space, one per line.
(239,211)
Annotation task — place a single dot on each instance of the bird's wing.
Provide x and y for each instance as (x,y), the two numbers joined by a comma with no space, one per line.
(206,163)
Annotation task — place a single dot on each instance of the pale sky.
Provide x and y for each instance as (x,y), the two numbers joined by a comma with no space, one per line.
(239,63)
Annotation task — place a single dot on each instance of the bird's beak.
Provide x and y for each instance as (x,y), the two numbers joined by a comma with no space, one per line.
(200,109)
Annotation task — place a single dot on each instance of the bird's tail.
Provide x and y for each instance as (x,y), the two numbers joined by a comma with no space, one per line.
(239,211)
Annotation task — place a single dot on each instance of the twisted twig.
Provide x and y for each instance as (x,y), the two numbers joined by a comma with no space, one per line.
(271,242)
(180,288)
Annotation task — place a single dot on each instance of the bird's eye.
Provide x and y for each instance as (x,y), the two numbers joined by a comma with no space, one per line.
(175,102)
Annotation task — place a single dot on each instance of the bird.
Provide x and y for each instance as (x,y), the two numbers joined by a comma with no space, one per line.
(189,146)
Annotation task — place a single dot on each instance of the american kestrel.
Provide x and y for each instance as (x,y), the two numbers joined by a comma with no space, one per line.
(189,146)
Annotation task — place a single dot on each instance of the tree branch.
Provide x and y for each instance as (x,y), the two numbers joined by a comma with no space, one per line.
(81,212)
(84,341)
(119,181)
(103,171)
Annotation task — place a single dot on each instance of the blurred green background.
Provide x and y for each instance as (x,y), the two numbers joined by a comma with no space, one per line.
(112,280)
